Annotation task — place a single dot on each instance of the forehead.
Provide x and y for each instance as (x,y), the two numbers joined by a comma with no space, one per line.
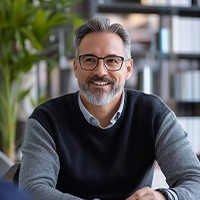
(102,44)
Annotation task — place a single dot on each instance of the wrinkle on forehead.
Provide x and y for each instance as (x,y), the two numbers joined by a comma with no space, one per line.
(102,44)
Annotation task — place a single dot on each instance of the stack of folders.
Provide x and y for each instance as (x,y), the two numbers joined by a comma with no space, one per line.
(187,86)
(181,3)
(185,35)
(182,36)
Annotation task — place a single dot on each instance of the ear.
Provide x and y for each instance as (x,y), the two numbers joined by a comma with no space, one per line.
(75,63)
(129,68)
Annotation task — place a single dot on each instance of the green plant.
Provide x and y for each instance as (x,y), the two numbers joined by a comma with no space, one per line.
(25,26)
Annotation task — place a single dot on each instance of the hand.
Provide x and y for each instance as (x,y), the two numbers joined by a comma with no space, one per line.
(146,193)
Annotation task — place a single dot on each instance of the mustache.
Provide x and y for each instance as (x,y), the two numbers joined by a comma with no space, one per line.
(102,78)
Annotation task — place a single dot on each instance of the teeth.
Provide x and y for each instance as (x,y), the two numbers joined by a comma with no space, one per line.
(100,83)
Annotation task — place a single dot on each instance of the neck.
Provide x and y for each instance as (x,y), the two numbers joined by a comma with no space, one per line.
(103,113)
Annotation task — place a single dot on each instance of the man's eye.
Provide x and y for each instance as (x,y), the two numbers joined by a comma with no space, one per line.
(89,60)
(112,61)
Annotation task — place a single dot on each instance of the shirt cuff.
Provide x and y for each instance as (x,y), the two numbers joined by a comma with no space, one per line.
(168,193)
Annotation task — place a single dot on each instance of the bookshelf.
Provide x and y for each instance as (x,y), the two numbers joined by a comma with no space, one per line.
(126,7)
(173,49)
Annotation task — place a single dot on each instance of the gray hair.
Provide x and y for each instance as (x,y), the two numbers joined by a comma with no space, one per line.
(102,25)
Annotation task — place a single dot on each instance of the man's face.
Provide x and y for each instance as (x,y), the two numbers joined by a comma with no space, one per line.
(101,86)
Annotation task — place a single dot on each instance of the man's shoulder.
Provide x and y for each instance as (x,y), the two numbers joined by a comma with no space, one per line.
(62,100)
(140,95)
(55,105)
(145,101)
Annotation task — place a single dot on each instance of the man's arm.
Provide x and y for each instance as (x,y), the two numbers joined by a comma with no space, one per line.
(177,160)
(40,165)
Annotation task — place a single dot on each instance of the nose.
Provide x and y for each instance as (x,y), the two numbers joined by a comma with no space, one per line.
(100,69)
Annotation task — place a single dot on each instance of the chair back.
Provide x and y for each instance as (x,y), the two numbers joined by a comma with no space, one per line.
(5,164)
(12,175)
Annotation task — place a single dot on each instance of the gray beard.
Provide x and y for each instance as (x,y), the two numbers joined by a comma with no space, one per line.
(99,97)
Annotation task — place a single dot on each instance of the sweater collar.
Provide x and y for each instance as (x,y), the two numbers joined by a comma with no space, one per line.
(93,121)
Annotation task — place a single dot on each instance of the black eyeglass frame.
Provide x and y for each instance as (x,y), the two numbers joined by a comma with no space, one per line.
(122,58)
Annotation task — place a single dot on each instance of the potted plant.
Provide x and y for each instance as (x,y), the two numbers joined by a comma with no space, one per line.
(25,26)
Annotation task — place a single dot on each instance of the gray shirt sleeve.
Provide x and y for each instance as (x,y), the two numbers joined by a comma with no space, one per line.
(39,168)
(177,160)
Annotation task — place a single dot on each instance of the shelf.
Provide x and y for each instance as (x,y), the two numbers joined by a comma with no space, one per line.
(127,8)
(168,55)
(180,55)
(188,108)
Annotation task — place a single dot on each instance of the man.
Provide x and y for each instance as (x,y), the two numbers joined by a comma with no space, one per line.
(102,141)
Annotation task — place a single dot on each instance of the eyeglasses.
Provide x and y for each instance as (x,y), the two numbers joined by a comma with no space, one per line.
(90,62)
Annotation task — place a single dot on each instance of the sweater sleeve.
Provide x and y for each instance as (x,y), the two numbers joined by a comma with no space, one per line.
(40,165)
(177,160)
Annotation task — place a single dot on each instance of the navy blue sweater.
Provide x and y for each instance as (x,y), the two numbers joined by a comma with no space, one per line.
(108,163)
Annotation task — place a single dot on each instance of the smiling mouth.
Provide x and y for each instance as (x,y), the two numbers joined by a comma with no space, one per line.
(100,83)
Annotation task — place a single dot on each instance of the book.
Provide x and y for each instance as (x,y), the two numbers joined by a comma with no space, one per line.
(187,86)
